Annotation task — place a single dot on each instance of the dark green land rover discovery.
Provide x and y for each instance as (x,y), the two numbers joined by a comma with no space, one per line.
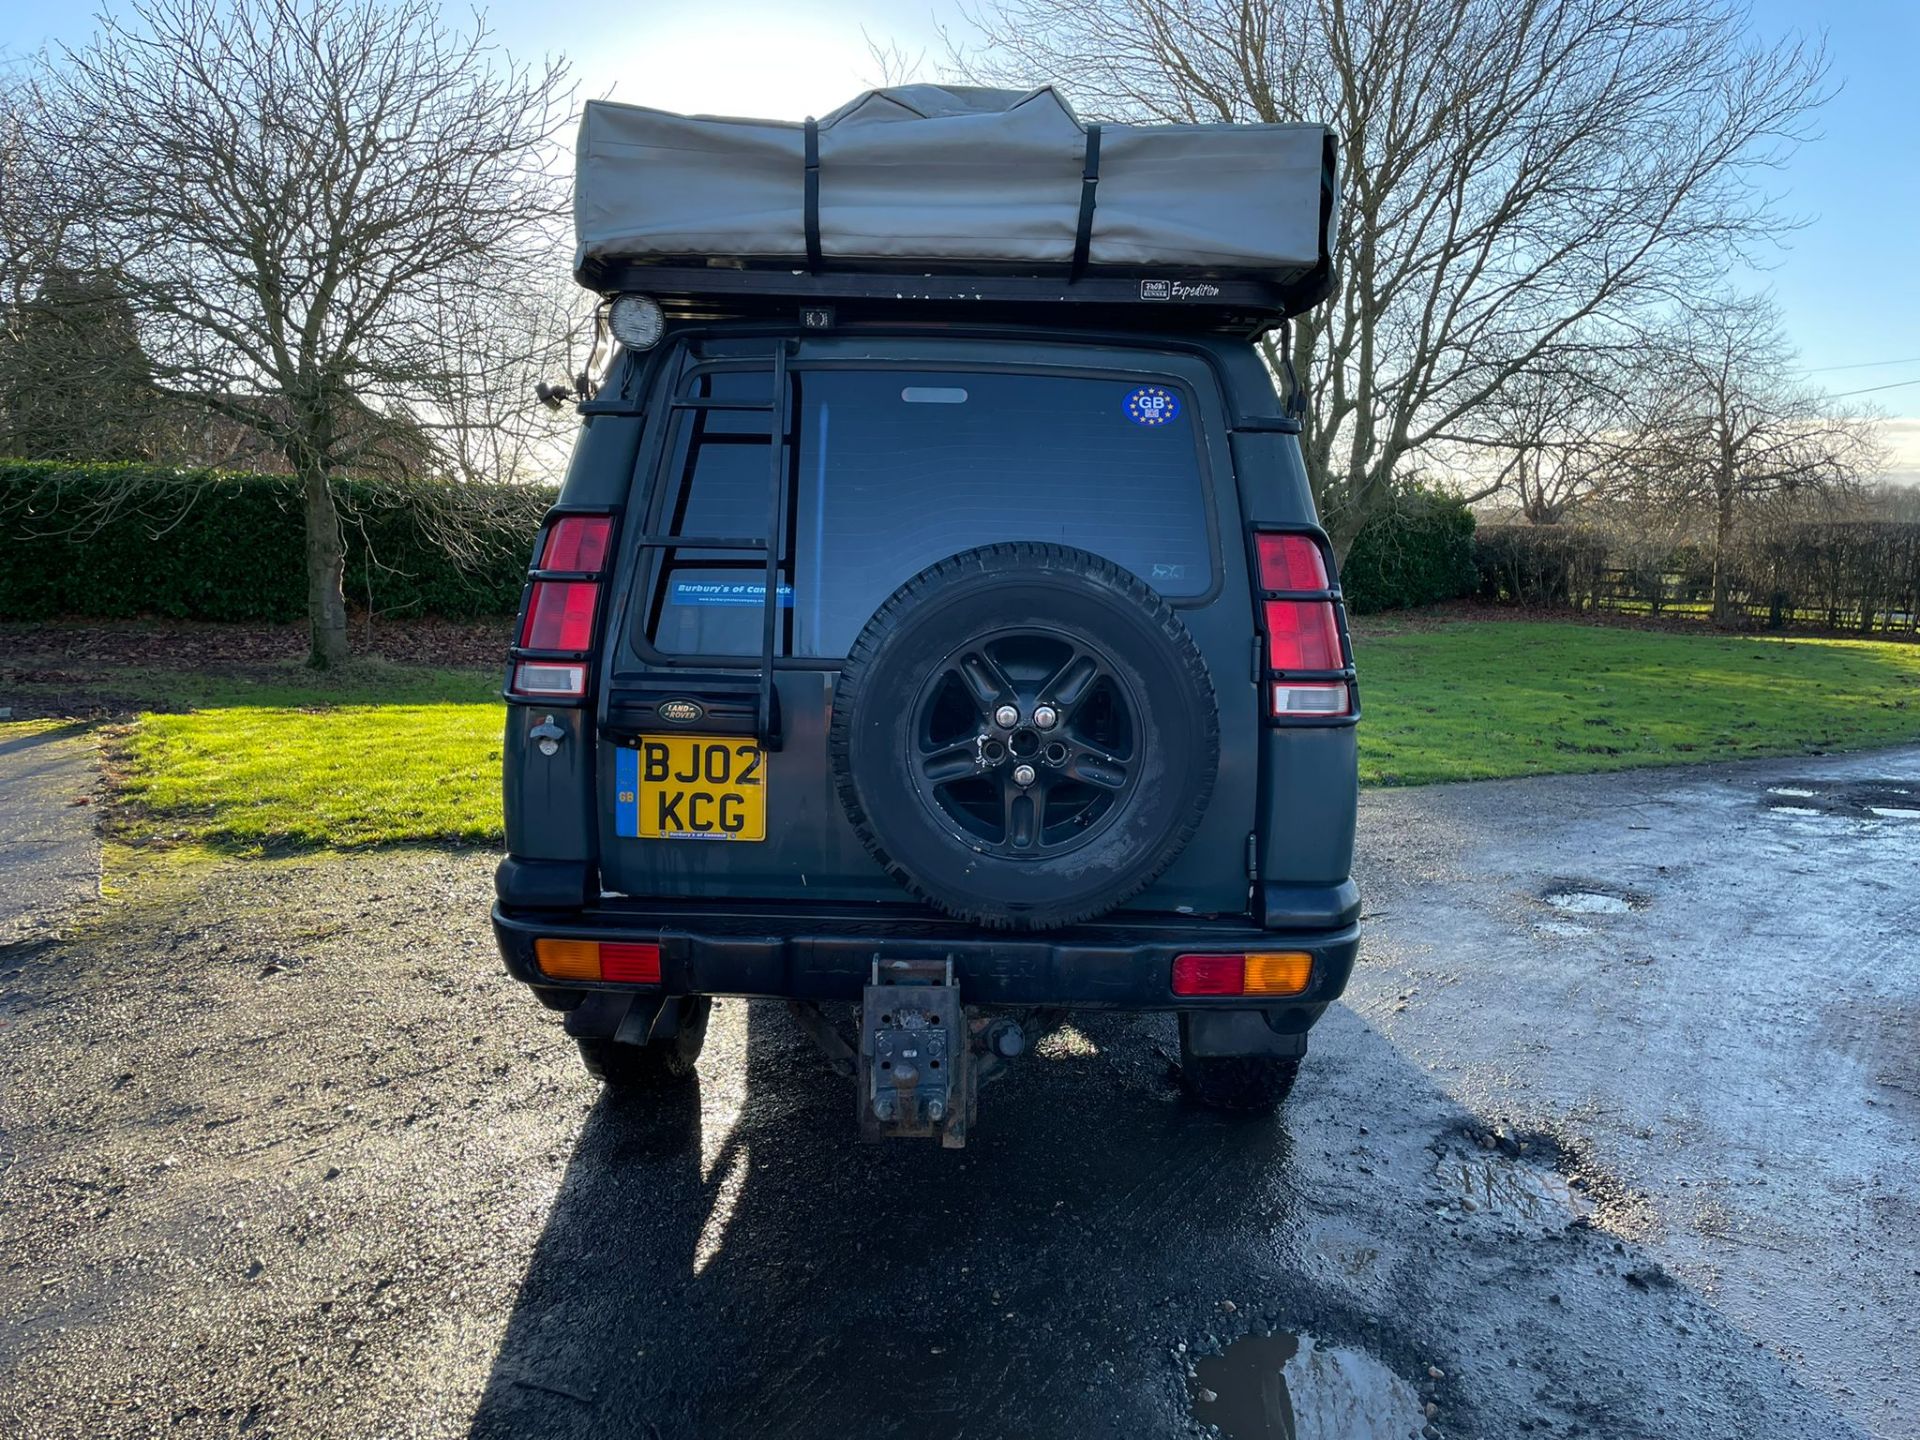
(939,657)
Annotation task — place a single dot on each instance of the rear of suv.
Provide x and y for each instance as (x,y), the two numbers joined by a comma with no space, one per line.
(939,669)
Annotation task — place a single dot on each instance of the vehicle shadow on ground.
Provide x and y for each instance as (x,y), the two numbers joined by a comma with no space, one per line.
(767,1273)
(709,1270)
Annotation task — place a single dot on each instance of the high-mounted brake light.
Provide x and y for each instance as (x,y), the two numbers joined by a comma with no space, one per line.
(560,615)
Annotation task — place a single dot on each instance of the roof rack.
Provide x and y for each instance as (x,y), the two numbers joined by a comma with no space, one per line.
(830,296)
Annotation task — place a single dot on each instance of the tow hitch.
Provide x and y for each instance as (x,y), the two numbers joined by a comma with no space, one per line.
(921,1056)
(916,1075)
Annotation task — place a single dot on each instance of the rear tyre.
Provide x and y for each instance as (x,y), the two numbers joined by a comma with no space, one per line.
(657,1065)
(1247,1084)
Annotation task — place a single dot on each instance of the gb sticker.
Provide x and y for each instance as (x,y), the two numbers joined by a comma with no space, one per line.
(1153,405)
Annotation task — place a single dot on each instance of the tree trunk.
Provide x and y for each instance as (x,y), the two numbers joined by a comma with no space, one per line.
(326,572)
(1722,543)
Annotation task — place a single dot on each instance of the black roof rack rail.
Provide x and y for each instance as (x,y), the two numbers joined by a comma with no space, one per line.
(1132,300)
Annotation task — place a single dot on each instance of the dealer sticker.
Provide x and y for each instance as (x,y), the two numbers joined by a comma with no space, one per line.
(1153,405)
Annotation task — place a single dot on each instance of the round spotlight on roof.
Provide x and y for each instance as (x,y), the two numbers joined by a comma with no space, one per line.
(636,321)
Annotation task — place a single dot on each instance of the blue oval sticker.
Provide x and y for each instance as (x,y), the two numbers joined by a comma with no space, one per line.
(1153,405)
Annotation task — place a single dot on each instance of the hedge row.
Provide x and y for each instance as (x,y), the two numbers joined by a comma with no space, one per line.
(1418,553)
(1861,575)
(114,541)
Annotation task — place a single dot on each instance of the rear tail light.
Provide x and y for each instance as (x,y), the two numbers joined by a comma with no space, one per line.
(561,612)
(1264,973)
(635,964)
(560,615)
(1209,974)
(1302,635)
(1290,562)
(619,961)
(577,542)
(1300,624)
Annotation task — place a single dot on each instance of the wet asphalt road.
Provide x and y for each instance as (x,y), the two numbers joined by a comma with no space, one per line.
(284,1155)
(51,853)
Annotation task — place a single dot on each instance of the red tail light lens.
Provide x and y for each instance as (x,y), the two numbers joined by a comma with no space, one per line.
(635,964)
(560,615)
(1302,635)
(577,542)
(1290,562)
(1209,975)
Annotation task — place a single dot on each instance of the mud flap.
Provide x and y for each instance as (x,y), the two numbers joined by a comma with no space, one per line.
(916,1072)
(1236,1034)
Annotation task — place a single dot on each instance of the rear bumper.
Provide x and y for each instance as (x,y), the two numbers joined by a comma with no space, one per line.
(827,953)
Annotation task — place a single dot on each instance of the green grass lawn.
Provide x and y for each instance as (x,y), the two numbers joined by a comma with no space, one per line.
(1478,700)
(383,754)
(379,754)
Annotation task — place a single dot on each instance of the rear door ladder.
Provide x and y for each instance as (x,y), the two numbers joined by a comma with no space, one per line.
(779,412)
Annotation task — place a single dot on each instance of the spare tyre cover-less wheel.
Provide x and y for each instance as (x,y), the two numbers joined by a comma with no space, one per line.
(1025,735)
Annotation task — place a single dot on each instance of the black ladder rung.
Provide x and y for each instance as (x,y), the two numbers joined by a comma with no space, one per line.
(708,402)
(704,542)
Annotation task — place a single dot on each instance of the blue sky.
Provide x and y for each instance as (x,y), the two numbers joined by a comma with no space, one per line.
(1849,281)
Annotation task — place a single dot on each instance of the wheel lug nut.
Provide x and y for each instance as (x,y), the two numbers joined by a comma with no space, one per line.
(1006,717)
(1046,717)
(1023,775)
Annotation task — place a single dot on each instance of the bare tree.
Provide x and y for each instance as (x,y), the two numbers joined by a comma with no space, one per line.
(288,192)
(1554,437)
(30,229)
(1517,172)
(544,330)
(1729,430)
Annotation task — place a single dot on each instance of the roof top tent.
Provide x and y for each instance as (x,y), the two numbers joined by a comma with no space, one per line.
(959,200)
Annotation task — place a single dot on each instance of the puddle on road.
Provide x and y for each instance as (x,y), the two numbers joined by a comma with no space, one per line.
(1514,1178)
(1850,799)
(1588,902)
(1499,1186)
(1290,1387)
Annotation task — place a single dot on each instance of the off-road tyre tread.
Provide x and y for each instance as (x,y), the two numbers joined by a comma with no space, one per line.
(979,561)
(657,1065)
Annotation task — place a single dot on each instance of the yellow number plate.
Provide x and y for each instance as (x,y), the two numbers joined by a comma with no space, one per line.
(691,787)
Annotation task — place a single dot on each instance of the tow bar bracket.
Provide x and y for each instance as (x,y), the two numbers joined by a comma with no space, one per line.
(916,1071)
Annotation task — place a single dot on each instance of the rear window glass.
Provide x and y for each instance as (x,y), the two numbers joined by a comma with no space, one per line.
(892,470)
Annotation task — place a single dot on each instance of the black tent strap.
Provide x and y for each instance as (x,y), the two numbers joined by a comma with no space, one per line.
(1089,182)
(813,194)
(1083,230)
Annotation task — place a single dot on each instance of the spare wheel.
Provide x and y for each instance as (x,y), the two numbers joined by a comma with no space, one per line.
(1025,735)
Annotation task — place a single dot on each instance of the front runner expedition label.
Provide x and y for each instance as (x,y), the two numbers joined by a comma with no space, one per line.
(1178,290)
